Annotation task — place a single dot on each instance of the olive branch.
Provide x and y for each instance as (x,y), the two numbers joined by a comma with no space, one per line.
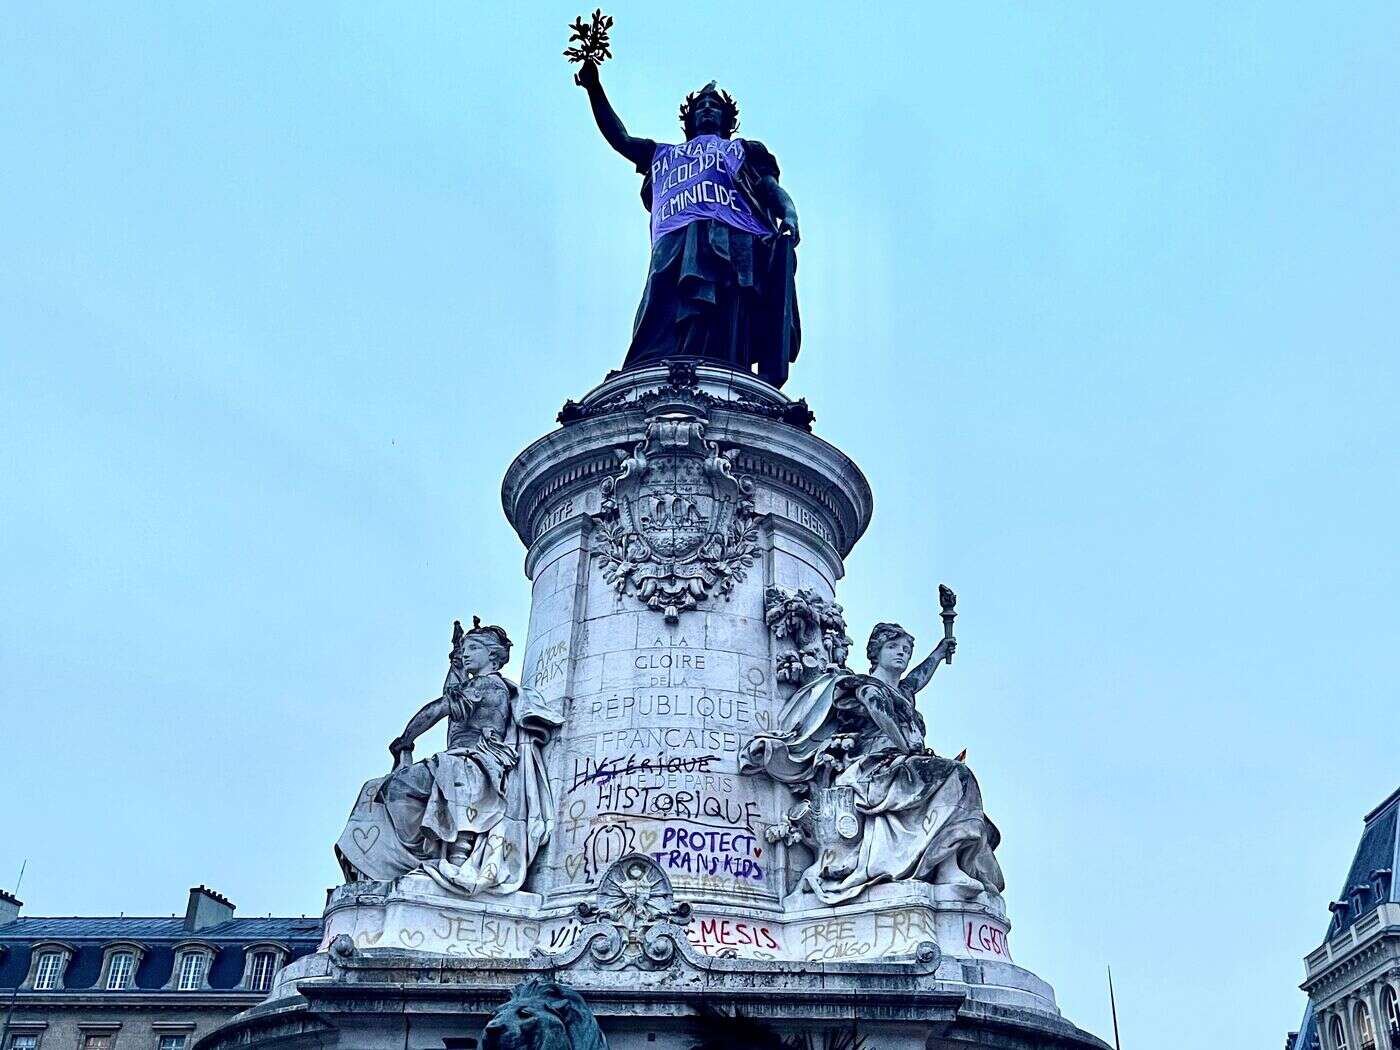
(592,40)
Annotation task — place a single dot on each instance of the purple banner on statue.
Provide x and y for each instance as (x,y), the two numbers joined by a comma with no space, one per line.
(697,179)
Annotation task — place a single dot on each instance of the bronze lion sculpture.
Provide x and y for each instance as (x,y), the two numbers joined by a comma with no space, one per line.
(544,1015)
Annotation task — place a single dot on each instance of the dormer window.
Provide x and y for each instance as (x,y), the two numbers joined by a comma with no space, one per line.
(261,966)
(193,966)
(48,970)
(1359,895)
(1339,911)
(121,969)
(1380,879)
(261,962)
(193,961)
(120,961)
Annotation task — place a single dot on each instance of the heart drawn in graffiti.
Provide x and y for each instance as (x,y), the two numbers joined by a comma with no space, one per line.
(411,938)
(648,840)
(573,863)
(764,719)
(369,940)
(758,851)
(365,838)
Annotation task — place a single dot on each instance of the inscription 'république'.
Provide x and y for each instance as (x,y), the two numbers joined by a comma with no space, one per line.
(676,702)
(728,708)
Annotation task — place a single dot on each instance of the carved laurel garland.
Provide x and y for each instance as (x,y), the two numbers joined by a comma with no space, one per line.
(809,633)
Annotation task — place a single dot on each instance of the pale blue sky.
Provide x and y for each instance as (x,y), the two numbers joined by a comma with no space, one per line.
(1102,297)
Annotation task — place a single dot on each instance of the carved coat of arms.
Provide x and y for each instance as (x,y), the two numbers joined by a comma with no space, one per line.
(676,525)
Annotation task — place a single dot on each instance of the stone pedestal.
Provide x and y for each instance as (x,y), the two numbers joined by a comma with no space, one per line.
(656,521)
(660,644)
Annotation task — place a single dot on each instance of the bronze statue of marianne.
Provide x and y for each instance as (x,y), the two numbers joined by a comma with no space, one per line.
(721,286)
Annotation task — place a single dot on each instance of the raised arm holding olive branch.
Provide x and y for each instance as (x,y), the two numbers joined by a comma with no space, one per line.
(721,284)
(638,151)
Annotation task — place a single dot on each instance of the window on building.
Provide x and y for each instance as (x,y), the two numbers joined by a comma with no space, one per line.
(1381,881)
(24,1042)
(172,1042)
(98,1042)
(1390,1009)
(1365,1029)
(260,970)
(1339,1033)
(119,971)
(193,966)
(49,970)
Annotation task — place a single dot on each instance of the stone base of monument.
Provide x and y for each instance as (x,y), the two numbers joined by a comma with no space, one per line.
(672,524)
(426,971)
(889,921)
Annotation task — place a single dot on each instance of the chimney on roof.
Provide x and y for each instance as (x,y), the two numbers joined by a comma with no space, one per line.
(206,908)
(9,906)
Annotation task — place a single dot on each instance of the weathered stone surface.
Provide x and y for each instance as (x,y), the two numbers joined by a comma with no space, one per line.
(803,479)
(668,878)
(634,956)
(669,668)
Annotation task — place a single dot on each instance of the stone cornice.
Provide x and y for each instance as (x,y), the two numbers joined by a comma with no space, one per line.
(571,458)
(391,983)
(1380,954)
(1362,940)
(143,999)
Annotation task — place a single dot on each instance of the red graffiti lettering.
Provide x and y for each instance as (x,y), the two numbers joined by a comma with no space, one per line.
(986,938)
(707,934)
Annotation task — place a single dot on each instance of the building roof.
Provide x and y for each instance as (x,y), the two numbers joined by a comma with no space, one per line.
(172,928)
(1378,851)
(1306,1038)
(89,937)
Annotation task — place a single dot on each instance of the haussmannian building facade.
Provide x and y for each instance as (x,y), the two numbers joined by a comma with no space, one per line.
(134,983)
(1353,977)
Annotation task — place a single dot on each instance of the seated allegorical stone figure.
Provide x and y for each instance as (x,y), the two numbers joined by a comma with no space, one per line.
(471,817)
(878,804)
